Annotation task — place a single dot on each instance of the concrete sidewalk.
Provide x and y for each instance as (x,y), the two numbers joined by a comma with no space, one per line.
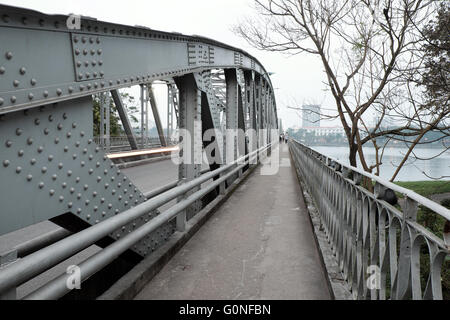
(258,245)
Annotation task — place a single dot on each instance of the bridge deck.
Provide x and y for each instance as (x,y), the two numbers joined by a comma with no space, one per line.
(258,245)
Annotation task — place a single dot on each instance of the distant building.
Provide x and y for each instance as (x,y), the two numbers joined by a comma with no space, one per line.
(311,116)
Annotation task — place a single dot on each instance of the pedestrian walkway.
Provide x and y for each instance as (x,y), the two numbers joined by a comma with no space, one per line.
(258,245)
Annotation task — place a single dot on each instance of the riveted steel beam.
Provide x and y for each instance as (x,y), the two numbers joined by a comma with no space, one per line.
(43,61)
(155,112)
(124,118)
(190,140)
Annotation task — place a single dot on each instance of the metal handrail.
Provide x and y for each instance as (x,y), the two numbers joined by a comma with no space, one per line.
(430,204)
(58,288)
(153,193)
(30,266)
(366,231)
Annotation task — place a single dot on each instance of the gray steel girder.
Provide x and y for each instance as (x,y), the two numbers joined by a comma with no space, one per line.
(43,61)
(49,165)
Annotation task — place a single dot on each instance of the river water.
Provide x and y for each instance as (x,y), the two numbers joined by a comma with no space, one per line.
(412,169)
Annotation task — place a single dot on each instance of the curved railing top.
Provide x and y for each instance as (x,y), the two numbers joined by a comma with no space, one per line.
(444,212)
(44,61)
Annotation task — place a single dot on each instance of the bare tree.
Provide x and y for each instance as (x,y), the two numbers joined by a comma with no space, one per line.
(370,52)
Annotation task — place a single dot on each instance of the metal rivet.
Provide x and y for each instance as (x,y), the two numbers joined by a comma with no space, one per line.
(52,192)
(88,217)
(66,148)
(60,166)
(58,92)
(6,163)
(13,99)
(33,161)
(70,205)
(61,199)
(70,89)
(23,71)
(20,153)
(50,118)
(44,169)
(46,131)
(56,140)
(16,83)
(30,96)
(40,149)
(1,101)
(33,82)
(45,94)
(41,185)
(9,55)
(64,185)
(29,177)
(19,131)
(30,141)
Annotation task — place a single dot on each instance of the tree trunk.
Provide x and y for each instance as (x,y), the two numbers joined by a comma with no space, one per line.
(352,155)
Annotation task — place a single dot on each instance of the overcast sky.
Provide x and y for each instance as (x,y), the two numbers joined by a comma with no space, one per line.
(297,78)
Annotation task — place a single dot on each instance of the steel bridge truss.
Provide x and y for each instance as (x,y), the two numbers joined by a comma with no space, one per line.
(50,166)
